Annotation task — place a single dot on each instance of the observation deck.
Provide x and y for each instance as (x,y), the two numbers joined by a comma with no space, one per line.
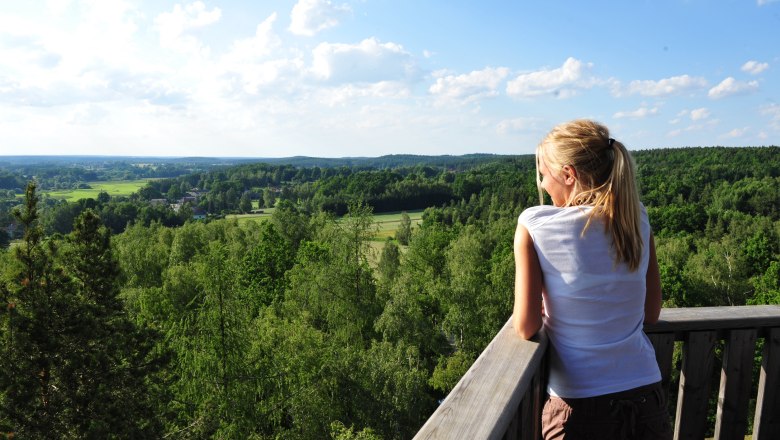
(502,394)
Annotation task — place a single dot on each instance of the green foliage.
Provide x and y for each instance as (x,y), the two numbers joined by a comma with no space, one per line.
(404,233)
(73,364)
(340,432)
(291,328)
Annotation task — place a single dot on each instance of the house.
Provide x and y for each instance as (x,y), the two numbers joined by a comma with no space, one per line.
(198,213)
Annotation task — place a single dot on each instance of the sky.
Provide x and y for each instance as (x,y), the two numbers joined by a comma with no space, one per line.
(346,78)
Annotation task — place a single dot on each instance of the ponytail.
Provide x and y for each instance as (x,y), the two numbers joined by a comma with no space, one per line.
(605,180)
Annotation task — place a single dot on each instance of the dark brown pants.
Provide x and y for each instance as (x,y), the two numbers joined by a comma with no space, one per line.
(636,414)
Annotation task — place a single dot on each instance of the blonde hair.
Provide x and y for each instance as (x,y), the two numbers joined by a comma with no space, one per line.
(604,179)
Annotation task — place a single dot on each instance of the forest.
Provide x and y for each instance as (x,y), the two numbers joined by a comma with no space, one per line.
(124,319)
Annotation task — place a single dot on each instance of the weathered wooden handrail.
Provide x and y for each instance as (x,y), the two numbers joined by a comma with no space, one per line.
(501,394)
(485,401)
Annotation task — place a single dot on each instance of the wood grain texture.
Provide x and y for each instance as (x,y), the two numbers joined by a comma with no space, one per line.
(695,378)
(766,425)
(483,403)
(735,378)
(715,318)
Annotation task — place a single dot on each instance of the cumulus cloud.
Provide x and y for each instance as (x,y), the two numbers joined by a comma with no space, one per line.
(561,82)
(470,86)
(311,16)
(366,62)
(174,25)
(263,42)
(664,87)
(754,67)
(640,113)
(730,86)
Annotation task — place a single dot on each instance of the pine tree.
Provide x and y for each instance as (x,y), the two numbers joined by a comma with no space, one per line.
(106,378)
(37,296)
(73,365)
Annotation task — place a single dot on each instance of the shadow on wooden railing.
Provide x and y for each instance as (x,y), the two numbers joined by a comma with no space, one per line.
(502,394)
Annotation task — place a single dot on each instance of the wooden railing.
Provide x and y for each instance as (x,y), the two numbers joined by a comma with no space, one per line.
(501,395)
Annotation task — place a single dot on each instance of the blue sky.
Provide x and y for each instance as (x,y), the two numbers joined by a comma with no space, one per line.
(374,77)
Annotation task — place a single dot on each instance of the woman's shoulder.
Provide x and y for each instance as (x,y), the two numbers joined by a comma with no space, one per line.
(535,215)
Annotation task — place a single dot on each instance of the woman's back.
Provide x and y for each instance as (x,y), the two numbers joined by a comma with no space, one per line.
(594,307)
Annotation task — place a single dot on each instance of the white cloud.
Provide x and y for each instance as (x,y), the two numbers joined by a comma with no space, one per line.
(664,87)
(736,133)
(754,67)
(350,92)
(765,2)
(470,86)
(561,82)
(259,46)
(773,111)
(57,7)
(87,114)
(730,86)
(366,62)
(173,26)
(700,113)
(311,16)
(640,113)
(518,125)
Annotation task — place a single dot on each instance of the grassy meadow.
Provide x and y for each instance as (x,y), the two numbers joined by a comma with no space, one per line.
(114,188)
(389,222)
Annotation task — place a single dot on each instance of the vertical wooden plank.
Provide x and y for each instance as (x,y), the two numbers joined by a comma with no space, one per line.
(531,421)
(513,430)
(663,343)
(735,379)
(698,358)
(766,425)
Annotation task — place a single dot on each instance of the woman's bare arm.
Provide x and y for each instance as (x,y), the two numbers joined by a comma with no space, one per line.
(527,313)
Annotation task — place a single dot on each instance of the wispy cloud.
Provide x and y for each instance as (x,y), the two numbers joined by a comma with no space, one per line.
(735,133)
(773,111)
(731,86)
(519,125)
(699,114)
(664,87)
(640,113)
(561,82)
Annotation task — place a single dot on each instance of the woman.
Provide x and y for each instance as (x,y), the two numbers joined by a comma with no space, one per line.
(586,270)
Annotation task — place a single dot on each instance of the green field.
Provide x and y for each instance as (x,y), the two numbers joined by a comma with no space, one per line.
(387,223)
(243,218)
(113,188)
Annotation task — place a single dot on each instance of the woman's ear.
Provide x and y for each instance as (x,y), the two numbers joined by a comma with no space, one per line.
(569,175)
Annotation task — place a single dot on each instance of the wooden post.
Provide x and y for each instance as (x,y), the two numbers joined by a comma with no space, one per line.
(766,425)
(697,368)
(734,394)
(663,343)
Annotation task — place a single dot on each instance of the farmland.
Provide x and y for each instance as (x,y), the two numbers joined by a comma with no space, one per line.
(114,188)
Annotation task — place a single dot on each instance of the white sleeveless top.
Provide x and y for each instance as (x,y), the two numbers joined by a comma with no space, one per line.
(594,307)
